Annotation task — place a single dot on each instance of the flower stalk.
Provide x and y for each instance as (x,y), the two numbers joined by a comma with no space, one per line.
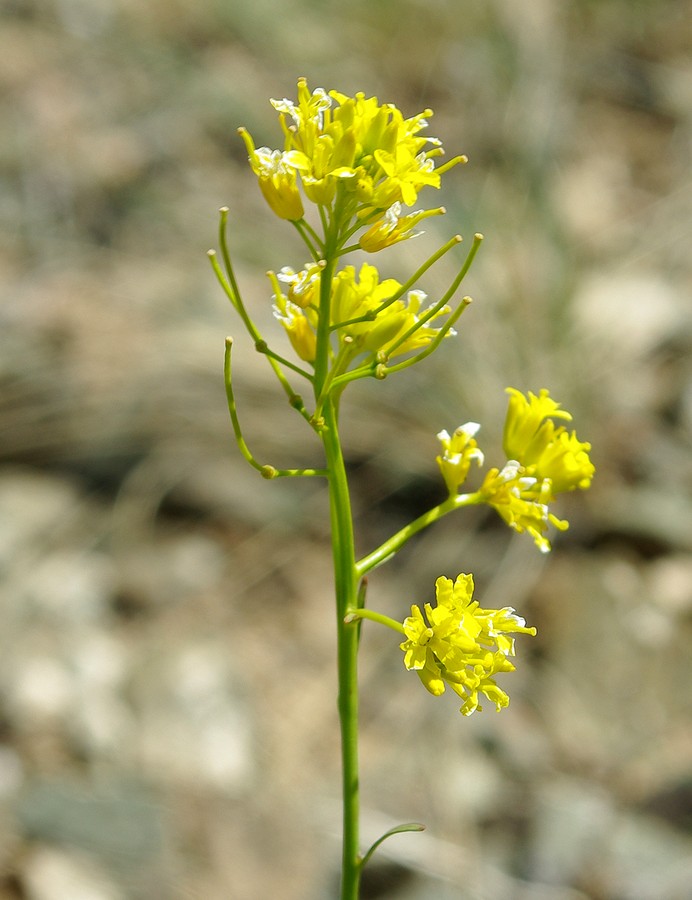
(347,597)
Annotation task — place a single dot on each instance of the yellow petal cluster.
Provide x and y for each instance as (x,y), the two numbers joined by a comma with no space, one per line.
(331,139)
(522,501)
(392,327)
(544,450)
(303,286)
(458,644)
(458,452)
(543,460)
(366,314)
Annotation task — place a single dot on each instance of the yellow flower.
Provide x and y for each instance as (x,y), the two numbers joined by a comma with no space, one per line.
(544,450)
(406,173)
(298,323)
(459,451)
(354,295)
(522,501)
(303,286)
(544,460)
(563,460)
(308,114)
(412,319)
(396,327)
(277,180)
(525,418)
(457,643)
(392,227)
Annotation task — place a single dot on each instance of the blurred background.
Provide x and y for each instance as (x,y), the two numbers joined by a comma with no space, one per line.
(167,692)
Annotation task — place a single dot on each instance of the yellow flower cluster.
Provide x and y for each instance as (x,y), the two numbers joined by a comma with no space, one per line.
(457,643)
(360,162)
(332,140)
(544,450)
(544,460)
(367,315)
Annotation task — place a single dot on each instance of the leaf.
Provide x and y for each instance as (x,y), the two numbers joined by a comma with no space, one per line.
(398,829)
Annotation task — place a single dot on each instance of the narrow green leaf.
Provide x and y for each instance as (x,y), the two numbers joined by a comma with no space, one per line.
(398,829)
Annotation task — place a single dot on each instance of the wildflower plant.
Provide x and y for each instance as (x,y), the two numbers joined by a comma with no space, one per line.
(358,165)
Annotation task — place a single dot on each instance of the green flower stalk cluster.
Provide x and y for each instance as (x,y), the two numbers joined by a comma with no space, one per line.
(358,166)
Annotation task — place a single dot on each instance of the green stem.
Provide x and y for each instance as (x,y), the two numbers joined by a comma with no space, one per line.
(347,598)
(432,346)
(261,347)
(380,618)
(477,239)
(391,546)
(323,349)
(367,370)
(340,363)
(223,243)
(310,238)
(231,292)
(265,471)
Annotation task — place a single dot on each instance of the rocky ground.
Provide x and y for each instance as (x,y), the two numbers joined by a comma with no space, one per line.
(167,714)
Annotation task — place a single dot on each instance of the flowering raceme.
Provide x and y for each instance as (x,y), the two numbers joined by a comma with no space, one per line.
(348,178)
(360,162)
(531,438)
(457,643)
(333,140)
(544,460)
(362,165)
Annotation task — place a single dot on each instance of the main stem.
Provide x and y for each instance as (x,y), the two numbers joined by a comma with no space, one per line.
(346,581)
